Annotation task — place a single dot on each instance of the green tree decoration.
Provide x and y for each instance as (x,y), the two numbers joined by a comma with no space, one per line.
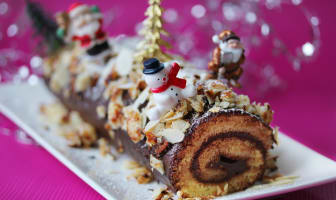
(44,26)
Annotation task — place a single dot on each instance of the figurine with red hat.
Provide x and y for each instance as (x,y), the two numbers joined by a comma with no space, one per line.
(83,24)
(227,57)
(166,87)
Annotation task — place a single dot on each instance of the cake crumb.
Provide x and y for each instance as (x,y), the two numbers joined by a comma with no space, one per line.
(141,174)
(214,109)
(156,164)
(271,163)
(278,179)
(130,164)
(120,148)
(222,190)
(162,194)
(105,148)
(54,113)
(69,124)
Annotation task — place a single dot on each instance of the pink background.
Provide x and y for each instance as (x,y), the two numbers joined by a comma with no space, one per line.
(305,108)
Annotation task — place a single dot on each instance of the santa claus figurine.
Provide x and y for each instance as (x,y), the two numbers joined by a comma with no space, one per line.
(227,58)
(166,87)
(83,24)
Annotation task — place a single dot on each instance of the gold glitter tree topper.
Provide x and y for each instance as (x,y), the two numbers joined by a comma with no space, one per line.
(152,31)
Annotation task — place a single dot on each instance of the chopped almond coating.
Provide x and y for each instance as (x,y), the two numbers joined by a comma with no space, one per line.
(134,124)
(87,134)
(227,96)
(151,139)
(72,138)
(115,115)
(113,75)
(133,92)
(113,93)
(69,124)
(197,103)
(55,113)
(82,82)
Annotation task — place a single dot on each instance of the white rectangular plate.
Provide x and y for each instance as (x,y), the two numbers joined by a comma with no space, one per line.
(20,102)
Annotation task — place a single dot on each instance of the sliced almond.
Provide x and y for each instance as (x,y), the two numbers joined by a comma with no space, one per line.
(172,135)
(141,98)
(151,125)
(133,124)
(224,104)
(176,116)
(180,125)
(242,100)
(101,111)
(214,109)
(197,103)
(82,82)
(156,164)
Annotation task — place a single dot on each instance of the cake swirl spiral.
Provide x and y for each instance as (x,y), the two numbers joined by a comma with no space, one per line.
(223,152)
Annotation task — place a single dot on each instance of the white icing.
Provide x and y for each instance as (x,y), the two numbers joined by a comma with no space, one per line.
(124,58)
(124,62)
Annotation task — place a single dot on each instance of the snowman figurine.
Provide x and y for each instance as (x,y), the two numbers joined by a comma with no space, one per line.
(167,89)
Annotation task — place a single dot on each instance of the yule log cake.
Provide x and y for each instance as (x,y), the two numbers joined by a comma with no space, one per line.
(186,125)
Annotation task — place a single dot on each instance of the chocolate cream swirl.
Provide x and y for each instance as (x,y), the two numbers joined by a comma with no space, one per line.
(225,149)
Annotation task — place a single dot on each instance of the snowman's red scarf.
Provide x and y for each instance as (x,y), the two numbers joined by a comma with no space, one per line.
(172,80)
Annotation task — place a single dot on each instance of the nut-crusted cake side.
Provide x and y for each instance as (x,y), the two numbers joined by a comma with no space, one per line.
(187,125)
(210,144)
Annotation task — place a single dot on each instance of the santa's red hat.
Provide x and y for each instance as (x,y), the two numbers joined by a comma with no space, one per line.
(76,8)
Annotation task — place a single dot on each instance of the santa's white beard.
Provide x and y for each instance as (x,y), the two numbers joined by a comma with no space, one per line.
(228,54)
(88,29)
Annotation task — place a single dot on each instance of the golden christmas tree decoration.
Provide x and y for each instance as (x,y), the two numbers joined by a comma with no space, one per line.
(152,43)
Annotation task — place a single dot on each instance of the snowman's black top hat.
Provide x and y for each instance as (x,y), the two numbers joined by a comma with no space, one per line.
(152,66)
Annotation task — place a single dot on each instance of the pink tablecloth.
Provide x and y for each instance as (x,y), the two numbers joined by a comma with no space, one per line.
(306,111)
